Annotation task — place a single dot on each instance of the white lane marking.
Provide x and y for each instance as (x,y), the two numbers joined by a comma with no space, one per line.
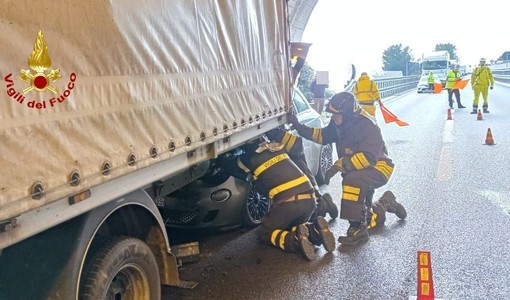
(498,198)
(445,167)
(448,132)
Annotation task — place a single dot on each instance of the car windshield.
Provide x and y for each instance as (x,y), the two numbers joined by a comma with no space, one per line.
(300,102)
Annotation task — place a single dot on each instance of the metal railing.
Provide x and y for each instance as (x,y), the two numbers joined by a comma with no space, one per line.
(396,85)
(502,74)
(393,85)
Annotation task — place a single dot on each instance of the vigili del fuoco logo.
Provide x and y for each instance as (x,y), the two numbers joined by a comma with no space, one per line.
(39,78)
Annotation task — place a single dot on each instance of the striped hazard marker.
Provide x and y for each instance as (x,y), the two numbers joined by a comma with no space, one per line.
(425,282)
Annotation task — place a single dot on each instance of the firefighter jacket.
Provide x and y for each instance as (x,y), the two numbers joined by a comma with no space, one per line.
(452,77)
(366,91)
(482,75)
(274,172)
(292,144)
(359,143)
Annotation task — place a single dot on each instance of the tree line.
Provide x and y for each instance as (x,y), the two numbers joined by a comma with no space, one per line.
(400,58)
(395,58)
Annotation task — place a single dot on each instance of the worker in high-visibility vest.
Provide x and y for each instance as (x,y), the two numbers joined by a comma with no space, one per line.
(367,93)
(481,79)
(452,77)
(431,80)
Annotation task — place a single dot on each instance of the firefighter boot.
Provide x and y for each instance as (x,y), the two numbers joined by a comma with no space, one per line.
(355,234)
(392,206)
(326,205)
(305,245)
(321,235)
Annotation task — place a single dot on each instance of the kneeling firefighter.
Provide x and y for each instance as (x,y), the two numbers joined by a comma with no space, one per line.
(362,161)
(286,225)
(293,145)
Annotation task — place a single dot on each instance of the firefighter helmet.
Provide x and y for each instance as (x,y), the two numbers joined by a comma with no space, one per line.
(343,103)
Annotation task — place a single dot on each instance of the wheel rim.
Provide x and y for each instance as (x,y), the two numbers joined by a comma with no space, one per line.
(129,283)
(326,157)
(257,206)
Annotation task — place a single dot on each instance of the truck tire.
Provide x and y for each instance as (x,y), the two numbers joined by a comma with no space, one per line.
(325,162)
(123,268)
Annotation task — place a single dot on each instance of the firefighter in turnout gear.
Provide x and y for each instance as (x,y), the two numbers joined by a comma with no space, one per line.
(293,145)
(362,161)
(481,79)
(367,93)
(286,225)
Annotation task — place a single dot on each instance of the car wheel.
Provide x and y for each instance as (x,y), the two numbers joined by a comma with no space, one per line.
(255,208)
(326,161)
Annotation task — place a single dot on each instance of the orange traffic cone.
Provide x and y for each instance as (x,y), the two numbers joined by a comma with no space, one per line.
(449,114)
(489,140)
(479,116)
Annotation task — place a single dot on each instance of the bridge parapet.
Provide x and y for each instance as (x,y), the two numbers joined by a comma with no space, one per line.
(395,85)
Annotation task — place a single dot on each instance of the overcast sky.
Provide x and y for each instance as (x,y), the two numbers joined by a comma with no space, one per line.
(358,32)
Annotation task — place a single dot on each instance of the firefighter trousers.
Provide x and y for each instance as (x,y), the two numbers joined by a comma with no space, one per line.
(376,215)
(357,186)
(279,224)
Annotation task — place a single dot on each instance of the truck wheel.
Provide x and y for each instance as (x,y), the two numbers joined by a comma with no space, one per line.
(123,268)
(255,208)
(325,162)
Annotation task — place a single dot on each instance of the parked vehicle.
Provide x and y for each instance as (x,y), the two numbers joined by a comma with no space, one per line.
(423,84)
(438,62)
(122,103)
(221,200)
(319,158)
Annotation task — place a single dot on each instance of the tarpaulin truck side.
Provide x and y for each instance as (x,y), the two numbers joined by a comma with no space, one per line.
(100,100)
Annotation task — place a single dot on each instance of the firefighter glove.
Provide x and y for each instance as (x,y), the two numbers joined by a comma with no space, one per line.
(335,168)
(292,119)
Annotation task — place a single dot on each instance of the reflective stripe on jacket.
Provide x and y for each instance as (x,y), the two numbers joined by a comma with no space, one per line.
(276,174)
(482,76)
(359,143)
(431,79)
(366,90)
(451,78)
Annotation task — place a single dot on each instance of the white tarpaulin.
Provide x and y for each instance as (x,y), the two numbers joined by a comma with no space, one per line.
(92,81)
